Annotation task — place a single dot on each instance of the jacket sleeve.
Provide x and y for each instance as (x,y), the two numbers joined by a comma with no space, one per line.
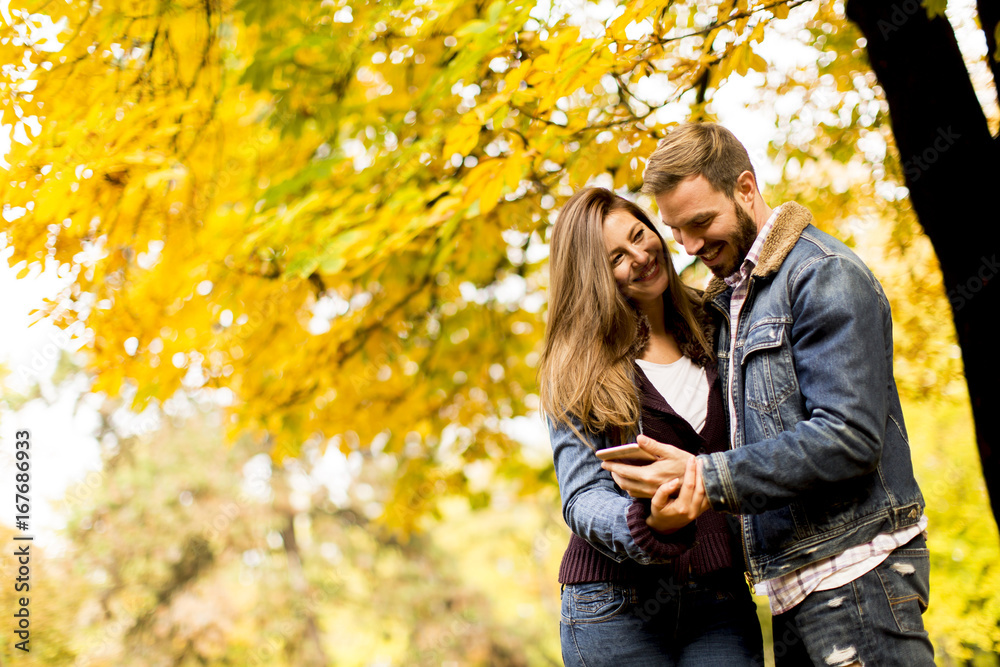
(600,512)
(841,345)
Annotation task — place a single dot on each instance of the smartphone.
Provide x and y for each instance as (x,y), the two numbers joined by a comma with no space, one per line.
(630,453)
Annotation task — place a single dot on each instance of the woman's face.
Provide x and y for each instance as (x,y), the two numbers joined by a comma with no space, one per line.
(636,256)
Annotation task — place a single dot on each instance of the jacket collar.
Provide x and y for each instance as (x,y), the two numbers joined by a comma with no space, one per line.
(788,226)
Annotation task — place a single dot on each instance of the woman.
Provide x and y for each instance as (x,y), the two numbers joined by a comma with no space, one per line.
(626,356)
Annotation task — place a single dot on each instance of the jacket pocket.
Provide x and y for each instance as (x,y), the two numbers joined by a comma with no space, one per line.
(768,368)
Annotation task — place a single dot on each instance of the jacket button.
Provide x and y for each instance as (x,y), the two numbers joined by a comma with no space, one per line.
(701,450)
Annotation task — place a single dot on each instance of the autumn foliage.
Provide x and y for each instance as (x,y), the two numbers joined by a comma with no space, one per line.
(332,217)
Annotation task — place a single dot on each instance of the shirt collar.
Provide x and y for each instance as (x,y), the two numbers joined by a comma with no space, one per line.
(747,267)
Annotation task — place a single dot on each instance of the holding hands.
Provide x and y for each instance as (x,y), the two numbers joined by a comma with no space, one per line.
(674,483)
(672,509)
(642,481)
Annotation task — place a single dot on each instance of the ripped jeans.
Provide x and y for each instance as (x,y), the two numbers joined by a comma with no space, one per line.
(874,620)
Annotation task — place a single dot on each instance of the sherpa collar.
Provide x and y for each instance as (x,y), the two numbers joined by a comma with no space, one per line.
(788,226)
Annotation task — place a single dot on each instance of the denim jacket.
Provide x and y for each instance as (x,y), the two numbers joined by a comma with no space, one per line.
(821,460)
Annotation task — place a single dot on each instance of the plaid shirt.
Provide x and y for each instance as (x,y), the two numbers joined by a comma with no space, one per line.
(740,282)
(790,589)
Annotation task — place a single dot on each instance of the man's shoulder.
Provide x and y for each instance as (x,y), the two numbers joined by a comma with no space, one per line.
(818,256)
(815,244)
(815,238)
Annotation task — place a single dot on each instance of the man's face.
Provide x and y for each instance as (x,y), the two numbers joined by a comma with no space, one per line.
(708,224)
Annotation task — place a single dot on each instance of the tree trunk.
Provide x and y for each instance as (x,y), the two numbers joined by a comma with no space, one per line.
(951,165)
(311,651)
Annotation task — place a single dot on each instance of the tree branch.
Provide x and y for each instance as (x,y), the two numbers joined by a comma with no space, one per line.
(792,4)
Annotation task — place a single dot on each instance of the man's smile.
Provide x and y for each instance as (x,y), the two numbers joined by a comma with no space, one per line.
(711,255)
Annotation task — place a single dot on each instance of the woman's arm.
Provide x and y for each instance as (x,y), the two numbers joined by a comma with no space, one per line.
(597,510)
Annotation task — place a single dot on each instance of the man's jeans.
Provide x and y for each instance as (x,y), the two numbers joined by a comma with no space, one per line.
(709,623)
(874,620)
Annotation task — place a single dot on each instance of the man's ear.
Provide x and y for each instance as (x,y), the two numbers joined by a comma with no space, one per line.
(746,187)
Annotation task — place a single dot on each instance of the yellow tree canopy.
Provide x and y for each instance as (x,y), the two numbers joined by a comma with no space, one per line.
(338,211)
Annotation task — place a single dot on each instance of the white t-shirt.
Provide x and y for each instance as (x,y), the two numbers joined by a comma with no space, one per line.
(684,385)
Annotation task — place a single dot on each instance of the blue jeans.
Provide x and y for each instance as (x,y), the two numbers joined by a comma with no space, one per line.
(706,622)
(873,620)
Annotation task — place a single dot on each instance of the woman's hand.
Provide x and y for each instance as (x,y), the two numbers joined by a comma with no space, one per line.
(672,510)
(642,481)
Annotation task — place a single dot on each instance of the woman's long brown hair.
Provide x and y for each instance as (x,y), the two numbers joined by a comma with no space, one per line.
(593,332)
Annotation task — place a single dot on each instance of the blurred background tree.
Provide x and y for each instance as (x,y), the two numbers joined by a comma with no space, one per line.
(182,550)
(332,219)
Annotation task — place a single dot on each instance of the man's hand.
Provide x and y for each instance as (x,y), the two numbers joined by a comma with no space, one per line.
(671,510)
(643,481)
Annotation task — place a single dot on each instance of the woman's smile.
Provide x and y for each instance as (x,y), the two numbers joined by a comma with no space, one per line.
(649,272)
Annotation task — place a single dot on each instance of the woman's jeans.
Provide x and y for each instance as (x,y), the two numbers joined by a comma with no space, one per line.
(710,621)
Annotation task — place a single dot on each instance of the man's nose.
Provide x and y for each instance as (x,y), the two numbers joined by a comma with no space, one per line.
(691,242)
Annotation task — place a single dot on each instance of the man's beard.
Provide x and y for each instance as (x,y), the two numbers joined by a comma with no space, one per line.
(741,241)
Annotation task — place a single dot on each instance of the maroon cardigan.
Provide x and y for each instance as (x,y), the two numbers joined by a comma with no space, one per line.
(703,546)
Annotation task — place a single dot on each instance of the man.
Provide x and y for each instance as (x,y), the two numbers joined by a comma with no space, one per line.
(819,471)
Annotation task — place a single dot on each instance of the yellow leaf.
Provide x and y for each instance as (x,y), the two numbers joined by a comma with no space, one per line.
(463,137)
(514,170)
(175,173)
(515,77)
(633,12)
(490,195)
(478,178)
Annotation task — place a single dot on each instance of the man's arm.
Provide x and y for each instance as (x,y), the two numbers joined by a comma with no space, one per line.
(841,347)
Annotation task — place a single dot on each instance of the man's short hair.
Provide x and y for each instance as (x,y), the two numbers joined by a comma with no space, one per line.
(694,149)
